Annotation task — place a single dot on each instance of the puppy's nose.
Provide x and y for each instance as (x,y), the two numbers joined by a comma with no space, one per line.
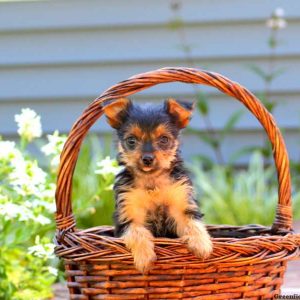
(148,159)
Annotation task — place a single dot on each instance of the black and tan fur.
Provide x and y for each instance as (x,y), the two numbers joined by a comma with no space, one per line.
(154,193)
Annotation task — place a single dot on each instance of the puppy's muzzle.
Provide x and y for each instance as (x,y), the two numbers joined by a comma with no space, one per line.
(148,159)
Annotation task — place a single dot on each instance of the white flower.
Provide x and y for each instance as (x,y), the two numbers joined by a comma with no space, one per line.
(54,147)
(8,150)
(37,203)
(52,270)
(29,124)
(49,192)
(27,178)
(42,220)
(55,161)
(279,12)
(13,211)
(108,166)
(47,197)
(41,250)
(24,212)
(277,21)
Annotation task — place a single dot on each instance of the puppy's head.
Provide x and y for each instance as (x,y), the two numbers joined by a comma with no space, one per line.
(148,134)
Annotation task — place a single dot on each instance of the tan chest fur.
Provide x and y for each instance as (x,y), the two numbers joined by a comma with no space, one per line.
(152,191)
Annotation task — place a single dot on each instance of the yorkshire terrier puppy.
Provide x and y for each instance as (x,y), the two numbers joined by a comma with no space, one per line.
(154,193)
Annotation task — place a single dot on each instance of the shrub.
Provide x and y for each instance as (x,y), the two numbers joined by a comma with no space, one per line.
(238,197)
(27,264)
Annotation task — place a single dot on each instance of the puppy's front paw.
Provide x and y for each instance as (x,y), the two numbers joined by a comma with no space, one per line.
(139,240)
(198,240)
(144,256)
(201,247)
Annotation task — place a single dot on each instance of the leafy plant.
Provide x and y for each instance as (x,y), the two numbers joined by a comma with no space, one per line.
(26,209)
(28,267)
(92,185)
(275,23)
(210,136)
(239,197)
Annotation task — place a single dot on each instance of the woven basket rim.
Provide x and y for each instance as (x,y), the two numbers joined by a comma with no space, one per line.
(256,248)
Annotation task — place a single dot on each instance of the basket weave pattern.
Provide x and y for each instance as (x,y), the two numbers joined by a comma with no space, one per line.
(248,262)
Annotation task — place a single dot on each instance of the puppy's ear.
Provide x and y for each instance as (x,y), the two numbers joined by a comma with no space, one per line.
(115,111)
(180,111)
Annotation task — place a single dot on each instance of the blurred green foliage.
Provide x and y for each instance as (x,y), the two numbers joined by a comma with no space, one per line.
(239,197)
(28,267)
(92,193)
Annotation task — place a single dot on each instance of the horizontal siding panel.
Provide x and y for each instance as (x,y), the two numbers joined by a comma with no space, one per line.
(237,141)
(140,44)
(56,56)
(45,15)
(80,81)
(61,115)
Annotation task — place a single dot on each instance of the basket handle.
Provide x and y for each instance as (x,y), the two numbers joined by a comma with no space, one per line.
(64,218)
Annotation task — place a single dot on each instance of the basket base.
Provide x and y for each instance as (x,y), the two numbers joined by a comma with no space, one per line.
(248,262)
(95,280)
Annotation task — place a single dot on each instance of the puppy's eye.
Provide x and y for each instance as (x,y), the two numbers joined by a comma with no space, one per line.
(164,140)
(131,142)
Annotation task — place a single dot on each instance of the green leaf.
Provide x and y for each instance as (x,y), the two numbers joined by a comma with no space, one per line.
(267,150)
(270,106)
(202,104)
(261,96)
(194,131)
(258,71)
(266,76)
(213,142)
(230,123)
(206,161)
(272,42)
(244,151)
(206,137)
(277,73)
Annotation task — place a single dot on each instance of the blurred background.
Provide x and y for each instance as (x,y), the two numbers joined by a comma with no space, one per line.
(57,56)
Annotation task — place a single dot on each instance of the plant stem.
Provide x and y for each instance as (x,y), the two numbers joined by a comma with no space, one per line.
(268,82)
(23,143)
(190,61)
(271,62)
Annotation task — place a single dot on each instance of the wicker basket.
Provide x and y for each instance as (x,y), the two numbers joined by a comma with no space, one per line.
(248,262)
